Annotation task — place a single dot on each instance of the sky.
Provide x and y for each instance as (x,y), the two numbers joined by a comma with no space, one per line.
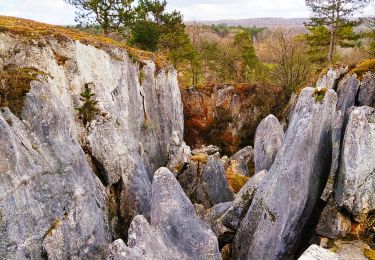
(58,12)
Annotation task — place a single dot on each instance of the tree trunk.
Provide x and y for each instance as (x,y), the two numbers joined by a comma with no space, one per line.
(332,46)
(106,32)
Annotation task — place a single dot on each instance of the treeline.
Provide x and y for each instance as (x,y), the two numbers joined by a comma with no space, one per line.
(221,54)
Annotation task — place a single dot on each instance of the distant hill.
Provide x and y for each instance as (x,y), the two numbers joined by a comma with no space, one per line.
(292,23)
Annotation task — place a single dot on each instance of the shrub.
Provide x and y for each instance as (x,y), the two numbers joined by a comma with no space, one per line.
(14,85)
(89,108)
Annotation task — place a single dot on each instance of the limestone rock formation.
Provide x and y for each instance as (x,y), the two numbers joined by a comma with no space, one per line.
(366,93)
(355,185)
(347,90)
(283,203)
(174,232)
(332,77)
(269,137)
(204,180)
(51,202)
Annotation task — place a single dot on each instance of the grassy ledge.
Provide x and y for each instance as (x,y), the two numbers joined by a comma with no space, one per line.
(32,30)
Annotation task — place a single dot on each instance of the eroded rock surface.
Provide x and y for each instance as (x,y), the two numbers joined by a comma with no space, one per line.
(66,188)
(174,232)
(282,205)
(269,137)
(355,186)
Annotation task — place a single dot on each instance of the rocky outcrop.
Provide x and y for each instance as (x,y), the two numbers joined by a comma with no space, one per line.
(347,90)
(174,231)
(366,93)
(204,180)
(283,203)
(269,137)
(355,185)
(227,115)
(66,188)
(331,78)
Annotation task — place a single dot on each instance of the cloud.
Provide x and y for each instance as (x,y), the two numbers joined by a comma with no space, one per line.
(59,12)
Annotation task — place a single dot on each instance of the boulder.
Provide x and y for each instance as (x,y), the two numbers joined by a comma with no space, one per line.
(181,158)
(243,161)
(332,223)
(269,137)
(278,217)
(315,252)
(204,180)
(355,184)
(346,92)
(174,231)
(366,94)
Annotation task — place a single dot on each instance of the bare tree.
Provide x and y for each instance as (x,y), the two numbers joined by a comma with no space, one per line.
(288,54)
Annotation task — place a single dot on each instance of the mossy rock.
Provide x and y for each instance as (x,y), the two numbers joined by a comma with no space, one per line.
(14,85)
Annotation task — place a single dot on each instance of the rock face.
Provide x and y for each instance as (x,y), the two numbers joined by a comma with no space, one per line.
(269,137)
(355,186)
(366,94)
(204,180)
(283,203)
(347,90)
(332,77)
(225,218)
(51,202)
(226,115)
(174,231)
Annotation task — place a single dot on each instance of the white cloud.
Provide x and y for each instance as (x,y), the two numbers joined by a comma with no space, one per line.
(59,12)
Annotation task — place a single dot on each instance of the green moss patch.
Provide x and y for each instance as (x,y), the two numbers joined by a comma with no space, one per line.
(14,85)
(319,94)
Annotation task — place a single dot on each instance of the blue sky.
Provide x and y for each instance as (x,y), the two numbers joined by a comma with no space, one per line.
(58,12)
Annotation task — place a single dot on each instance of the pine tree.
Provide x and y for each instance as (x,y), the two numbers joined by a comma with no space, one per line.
(109,14)
(89,108)
(335,16)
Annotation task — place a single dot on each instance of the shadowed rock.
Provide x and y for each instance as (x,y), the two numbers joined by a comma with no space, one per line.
(269,137)
(346,92)
(174,232)
(282,205)
(225,218)
(332,223)
(366,94)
